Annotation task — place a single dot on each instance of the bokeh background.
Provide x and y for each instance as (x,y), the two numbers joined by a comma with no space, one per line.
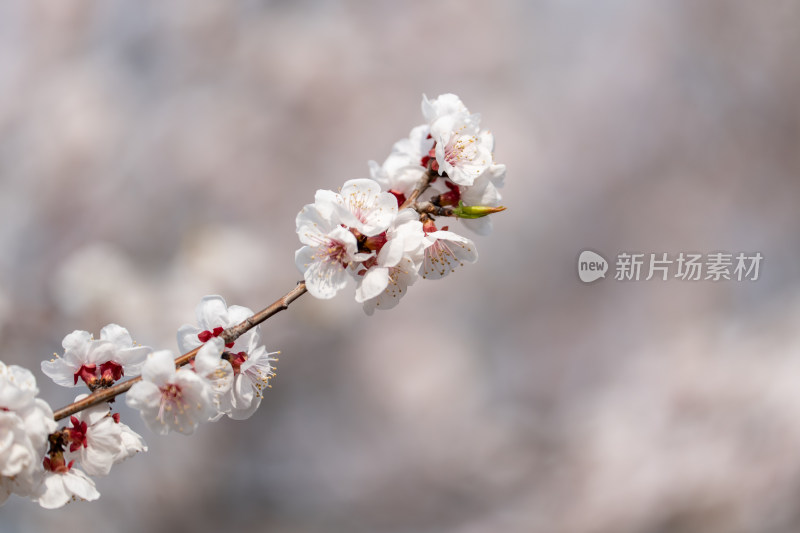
(152,152)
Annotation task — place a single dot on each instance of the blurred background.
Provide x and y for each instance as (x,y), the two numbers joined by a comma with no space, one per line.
(153,152)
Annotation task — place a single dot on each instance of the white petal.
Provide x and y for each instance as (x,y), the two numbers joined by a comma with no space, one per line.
(17,387)
(52,493)
(100,351)
(143,396)
(132,443)
(445,104)
(324,280)
(132,359)
(236,315)
(447,252)
(76,341)
(60,372)
(311,223)
(117,335)
(400,278)
(187,338)
(208,357)
(159,367)
(369,210)
(210,311)
(80,485)
(372,284)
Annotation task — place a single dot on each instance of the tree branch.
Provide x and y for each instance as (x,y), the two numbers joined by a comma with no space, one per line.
(423,185)
(229,335)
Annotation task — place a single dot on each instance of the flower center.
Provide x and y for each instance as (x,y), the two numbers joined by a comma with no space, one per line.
(357,203)
(462,148)
(172,402)
(56,463)
(236,360)
(333,252)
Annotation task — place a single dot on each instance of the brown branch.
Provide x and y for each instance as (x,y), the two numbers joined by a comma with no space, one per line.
(423,185)
(435,210)
(229,335)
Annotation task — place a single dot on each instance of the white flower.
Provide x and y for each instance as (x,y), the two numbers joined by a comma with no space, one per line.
(404,240)
(17,387)
(132,443)
(404,168)
(324,262)
(463,150)
(329,227)
(59,487)
(25,423)
(23,444)
(213,317)
(238,378)
(442,106)
(217,371)
(445,252)
(96,361)
(363,207)
(95,437)
(168,399)
(253,371)
(400,277)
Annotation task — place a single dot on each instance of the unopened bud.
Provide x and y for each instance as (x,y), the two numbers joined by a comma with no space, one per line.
(475,211)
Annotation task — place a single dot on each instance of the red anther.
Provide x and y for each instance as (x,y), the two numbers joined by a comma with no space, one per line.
(115,416)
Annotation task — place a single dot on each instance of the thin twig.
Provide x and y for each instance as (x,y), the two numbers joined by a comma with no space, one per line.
(229,335)
(423,185)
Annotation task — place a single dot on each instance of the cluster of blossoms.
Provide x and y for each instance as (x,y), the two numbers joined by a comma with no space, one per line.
(37,459)
(52,465)
(382,231)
